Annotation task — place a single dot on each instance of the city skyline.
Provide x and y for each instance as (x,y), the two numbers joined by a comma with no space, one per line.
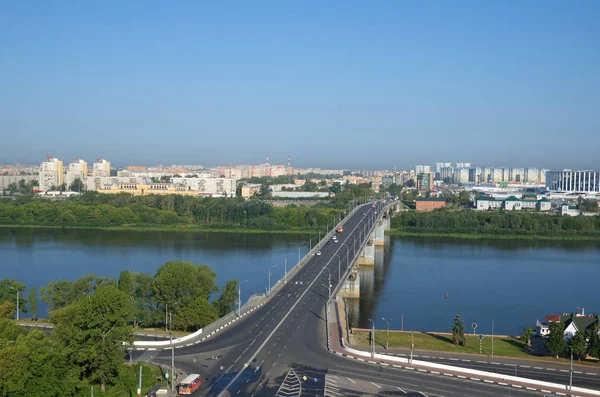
(335,84)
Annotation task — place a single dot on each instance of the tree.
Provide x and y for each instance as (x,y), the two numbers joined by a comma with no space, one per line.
(594,340)
(228,299)
(528,332)
(56,294)
(76,185)
(578,345)
(7,309)
(8,293)
(92,331)
(35,365)
(458,332)
(139,290)
(33,303)
(195,315)
(12,187)
(464,198)
(555,342)
(177,283)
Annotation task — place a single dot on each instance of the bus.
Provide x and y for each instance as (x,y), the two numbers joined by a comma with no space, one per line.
(189,384)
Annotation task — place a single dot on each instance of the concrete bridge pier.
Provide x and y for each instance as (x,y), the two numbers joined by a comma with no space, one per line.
(379,232)
(367,256)
(351,287)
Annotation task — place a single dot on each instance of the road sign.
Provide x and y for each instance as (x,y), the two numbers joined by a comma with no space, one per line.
(480,336)
(474,326)
(304,378)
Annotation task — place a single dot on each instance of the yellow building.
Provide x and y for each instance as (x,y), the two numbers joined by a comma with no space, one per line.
(250,189)
(139,189)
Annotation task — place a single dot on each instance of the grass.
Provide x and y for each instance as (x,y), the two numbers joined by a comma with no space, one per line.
(169,228)
(442,342)
(503,346)
(478,236)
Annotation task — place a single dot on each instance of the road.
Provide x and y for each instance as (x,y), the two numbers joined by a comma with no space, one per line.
(253,355)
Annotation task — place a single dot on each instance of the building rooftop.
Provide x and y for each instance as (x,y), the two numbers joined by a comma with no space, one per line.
(430,199)
(512,198)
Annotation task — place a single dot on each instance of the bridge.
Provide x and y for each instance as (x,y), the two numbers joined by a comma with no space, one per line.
(286,343)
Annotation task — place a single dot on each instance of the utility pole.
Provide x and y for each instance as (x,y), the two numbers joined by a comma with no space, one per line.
(372,339)
(172,352)
(166,318)
(571,373)
(92,390)
(285,267)
(402,323)
(492,338)
(139,390)
(387,333)
(270,278)
(412,346)
(240,298)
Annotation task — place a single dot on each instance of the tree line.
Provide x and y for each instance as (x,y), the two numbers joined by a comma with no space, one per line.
(501,222)
(96,209)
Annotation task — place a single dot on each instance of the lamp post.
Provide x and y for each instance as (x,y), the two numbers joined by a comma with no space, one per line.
(240,297)
(412,346)
(17,301)
(372,339)
(172,351)
(285,267)
(387,332)
(271,267)
(299,244)
(339,267)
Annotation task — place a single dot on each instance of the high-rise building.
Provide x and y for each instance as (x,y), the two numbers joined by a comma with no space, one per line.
(463,165)
(517,175)
(461,175)
(422,168)
(77,169)
(101,168)
(51,174)
(425,181)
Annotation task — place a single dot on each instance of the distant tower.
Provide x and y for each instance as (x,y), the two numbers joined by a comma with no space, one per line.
(289,161)
(267,159)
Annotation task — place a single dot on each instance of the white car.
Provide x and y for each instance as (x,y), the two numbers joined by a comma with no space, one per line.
(318,253)
(335,241)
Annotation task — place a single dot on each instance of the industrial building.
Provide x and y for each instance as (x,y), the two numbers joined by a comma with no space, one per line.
(573,181)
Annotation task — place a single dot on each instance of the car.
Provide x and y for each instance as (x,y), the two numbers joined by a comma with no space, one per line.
(318,253)
(335,241)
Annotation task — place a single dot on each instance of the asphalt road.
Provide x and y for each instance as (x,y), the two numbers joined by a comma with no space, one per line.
(252,356)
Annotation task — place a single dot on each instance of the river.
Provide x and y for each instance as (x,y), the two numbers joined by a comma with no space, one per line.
(424,281)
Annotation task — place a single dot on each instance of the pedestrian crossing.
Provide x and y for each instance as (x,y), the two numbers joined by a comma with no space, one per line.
(291,385)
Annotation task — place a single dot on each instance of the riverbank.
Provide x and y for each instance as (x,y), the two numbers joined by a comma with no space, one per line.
(168,228)
(482,236)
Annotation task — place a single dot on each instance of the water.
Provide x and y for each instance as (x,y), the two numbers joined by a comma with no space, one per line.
(426,280)
(38,256)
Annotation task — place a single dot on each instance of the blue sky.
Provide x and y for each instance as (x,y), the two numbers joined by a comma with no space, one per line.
(372,84)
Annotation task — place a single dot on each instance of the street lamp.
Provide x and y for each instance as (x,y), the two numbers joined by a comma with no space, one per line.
(17,300)
(299,244)
(387,333)
(373,339)
(240,298)
(285,267)
(271,267)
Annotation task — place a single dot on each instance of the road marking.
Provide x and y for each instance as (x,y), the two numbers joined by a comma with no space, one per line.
(351,380)
(376,385)
(401,390)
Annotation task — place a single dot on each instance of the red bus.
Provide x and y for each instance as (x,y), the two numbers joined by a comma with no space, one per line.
(189,384)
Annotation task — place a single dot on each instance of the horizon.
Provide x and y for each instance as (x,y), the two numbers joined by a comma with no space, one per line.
(338,85)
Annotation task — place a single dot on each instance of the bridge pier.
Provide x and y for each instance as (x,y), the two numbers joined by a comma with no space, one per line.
(379,233)
(351,287)
(367,256)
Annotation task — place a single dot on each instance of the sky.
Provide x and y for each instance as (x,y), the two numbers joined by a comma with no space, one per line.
(334,84)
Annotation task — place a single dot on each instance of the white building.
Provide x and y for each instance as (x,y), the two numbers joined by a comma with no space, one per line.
(422,168)
(213,186)
(77,169)
(573,181)
(487,204)
(51,174)
(101,168)
(566,209)
(461,175)
(512,203)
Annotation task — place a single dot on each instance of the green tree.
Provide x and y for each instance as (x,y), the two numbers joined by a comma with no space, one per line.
(35,365)
(33,303)
(594,341)
(578,345)
(195,315)
(178,283)
(464,198)
(92,331)
(528,332)
(7,309)
(56,294)
(555,342)
(228,299)
(76,185)
(8,292)
(458,332)
(139,290)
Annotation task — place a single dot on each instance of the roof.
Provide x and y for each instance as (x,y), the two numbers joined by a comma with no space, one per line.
(530,196)
(430,199)
(512,198)
(545,200)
